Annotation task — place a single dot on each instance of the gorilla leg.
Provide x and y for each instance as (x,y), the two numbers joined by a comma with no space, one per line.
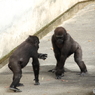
(17,74)
(78,60)
(14,84)
(19,84)
(35,64)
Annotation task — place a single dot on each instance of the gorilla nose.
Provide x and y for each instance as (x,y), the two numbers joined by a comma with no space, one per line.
(59,41)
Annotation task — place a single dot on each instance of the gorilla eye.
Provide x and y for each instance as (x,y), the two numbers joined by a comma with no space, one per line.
(59,36)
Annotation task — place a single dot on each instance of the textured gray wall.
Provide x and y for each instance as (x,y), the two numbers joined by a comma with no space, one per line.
(20,18)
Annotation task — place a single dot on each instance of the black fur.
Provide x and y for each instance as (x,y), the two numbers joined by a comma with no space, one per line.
(20,58)
(64,45)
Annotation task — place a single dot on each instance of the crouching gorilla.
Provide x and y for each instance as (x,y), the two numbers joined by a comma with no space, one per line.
(20,57)
(64,45)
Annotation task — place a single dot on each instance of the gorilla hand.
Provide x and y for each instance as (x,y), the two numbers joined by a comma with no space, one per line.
(59,73)
(42,56)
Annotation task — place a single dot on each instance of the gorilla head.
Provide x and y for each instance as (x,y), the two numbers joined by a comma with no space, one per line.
(60,34)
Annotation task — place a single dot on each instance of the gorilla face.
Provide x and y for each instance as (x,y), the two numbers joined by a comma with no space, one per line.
(59,39)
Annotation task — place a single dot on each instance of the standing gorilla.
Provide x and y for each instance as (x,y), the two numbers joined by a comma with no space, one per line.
(64,45)
(20,58)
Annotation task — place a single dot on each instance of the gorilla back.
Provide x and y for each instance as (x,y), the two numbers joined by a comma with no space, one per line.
(24,51)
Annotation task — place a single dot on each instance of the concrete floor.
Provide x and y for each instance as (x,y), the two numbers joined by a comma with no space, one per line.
(82,28)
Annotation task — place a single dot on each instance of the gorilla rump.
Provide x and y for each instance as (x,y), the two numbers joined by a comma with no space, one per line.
(64,45)
(20,58)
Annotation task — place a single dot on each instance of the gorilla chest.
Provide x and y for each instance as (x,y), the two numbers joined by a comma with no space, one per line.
(65,48)
(59,45)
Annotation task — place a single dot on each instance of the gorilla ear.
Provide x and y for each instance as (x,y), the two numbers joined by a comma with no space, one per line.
(30,35)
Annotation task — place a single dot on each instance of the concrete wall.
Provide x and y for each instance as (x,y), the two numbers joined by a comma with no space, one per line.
(20,18)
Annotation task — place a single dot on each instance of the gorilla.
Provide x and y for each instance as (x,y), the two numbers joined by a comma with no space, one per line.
(63,46)
(20,58)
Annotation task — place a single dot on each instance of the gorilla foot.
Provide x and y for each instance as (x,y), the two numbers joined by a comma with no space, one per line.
(15,89)
(59,77)
(83,73)
(20,84)
(53,70)
(36,83)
